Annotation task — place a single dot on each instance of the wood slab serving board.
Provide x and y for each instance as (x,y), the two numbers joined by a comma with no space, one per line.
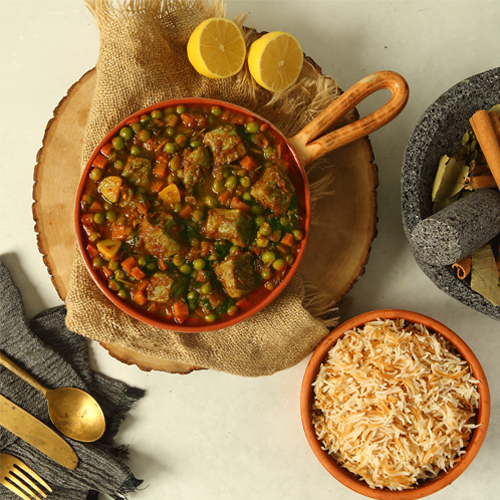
(347,229)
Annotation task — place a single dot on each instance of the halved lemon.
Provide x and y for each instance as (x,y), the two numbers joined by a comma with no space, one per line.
(275,60)
(216,48)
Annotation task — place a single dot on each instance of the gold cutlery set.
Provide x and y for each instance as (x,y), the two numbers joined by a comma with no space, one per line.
(74,412)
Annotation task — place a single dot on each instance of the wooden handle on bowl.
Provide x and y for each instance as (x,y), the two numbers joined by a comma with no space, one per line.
(306,142)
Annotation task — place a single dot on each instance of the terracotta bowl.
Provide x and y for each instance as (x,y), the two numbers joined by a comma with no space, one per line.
(351,480)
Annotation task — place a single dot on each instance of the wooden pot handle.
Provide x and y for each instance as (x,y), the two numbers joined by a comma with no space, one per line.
(310,147)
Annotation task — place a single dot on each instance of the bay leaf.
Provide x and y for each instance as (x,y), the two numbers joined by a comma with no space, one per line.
(450,178)
(484,276)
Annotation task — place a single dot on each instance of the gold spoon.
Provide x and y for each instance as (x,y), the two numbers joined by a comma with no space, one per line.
(74,412)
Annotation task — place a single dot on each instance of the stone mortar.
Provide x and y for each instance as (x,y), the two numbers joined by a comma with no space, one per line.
(439,131)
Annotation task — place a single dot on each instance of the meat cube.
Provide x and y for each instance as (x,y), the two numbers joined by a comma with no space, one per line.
(161,237)
(194,163)
(237,275)
(274,190)
(167,286)
(137,170)
(227,224)
(226,145)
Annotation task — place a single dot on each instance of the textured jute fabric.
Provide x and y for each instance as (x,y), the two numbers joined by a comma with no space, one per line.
(142,61)
(57,357)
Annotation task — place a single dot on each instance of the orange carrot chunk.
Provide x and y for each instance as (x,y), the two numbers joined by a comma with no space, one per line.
(128,264)
(137,273)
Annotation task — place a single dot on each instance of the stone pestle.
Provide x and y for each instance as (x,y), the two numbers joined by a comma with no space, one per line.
(458,230)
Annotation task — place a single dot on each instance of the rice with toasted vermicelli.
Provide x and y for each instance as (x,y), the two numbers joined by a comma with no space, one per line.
(394,403)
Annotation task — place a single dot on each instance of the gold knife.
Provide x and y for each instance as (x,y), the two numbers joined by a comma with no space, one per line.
(36,433)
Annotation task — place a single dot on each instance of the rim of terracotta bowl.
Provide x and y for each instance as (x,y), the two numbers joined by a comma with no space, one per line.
(299,180)
(349,479)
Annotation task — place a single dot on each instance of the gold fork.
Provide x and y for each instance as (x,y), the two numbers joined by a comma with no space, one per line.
(20,479)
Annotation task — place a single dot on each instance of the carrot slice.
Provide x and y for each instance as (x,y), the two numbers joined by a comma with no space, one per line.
(100,161)
(128,264)
(186,212)
(288,240)
(137,273)
(236,203)
(248,163)
(107,149)
(139,298)
(160,169)
(181,311)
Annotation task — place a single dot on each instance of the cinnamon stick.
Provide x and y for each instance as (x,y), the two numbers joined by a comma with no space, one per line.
(480,182)
(495,121)
(485,135)
(463,267)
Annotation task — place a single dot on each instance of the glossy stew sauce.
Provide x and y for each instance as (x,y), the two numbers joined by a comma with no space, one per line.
(190,213)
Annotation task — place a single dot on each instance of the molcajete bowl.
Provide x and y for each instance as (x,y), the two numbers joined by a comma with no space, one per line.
(307,398)
(438,132)
(118,212)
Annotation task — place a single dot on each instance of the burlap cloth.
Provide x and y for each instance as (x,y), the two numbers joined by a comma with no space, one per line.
(142,61)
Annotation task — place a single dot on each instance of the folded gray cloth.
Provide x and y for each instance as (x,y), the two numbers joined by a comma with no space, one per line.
(56,357)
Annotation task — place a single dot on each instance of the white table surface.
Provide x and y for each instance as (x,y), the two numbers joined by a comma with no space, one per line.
(211,435)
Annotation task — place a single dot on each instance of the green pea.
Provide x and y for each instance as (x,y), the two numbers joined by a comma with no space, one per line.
(99,218)
(278,264)
(265,229)
(120,274)
(298,234)
(199,215)
(195,144)
(246,196)
(170,148)
(145,119)
(206,288)
(98,261)
(210,318)
(96,174)
(268,257)
(123,294)
(118,143)
(136,127)
(266,274)
(232,182)
(275,236)
(178,260)
(192,296)
(178,207)
(252,127)
(170,131)
(152,266)
(256,209)
(181,140)
(141,261)
(234,250)
(245,181)
(119,165)
(199,264)
(211,201)
(144,135)
(135,150)
(111,216)
(262,242)
(126,133)
(114,285)
(259,220)
(156,114)
(284,220)
(216,110)
(180,109)
(186,269)
(114,265)
(232,310)
(219,186)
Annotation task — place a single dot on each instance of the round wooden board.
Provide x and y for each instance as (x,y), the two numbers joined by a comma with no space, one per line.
(352,211)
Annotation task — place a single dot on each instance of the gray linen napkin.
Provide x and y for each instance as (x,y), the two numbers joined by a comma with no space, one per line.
(56,357)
